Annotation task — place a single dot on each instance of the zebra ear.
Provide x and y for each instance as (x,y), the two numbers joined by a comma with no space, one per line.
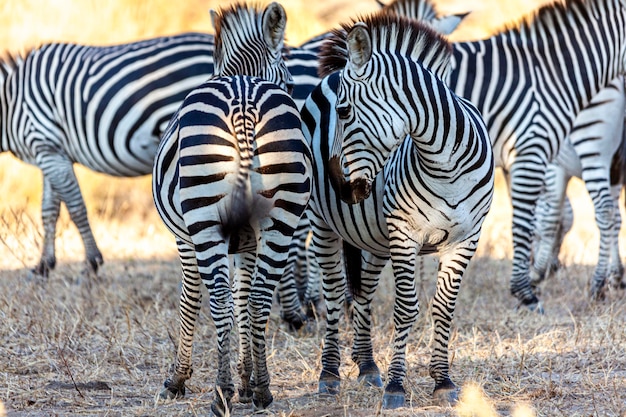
(359,46)
(447,24)
(274,24)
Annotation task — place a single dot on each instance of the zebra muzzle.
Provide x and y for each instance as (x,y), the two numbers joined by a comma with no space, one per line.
(351,192)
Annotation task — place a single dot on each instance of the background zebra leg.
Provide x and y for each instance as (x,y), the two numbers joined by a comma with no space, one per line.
(405,312)
(244,264)
(288,296)
(189,306)
(50,208)
(604,205)
(326,246)
(312,282)
(59,173)
(526,184)
(548,214)
(616,270)
(371,267)
(452,267)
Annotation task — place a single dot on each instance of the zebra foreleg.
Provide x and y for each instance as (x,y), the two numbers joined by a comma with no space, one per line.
(547,231)
(452,267)
(616,270)
(604,206)
(50,208)
(326,247)
(526,184)
(405,312)
(59,173)
(362,350)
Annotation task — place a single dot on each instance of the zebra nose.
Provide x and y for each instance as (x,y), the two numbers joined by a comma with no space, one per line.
(361,189)
(290,84)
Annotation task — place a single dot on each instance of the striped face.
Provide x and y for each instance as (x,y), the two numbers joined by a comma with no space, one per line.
(368,129)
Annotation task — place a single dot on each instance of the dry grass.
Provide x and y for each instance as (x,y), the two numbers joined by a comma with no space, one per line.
(75,346)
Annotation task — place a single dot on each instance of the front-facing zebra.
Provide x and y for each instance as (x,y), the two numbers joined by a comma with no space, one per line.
(402,197)
(232,174)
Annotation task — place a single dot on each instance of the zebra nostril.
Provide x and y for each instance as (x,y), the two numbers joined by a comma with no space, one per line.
(361,189)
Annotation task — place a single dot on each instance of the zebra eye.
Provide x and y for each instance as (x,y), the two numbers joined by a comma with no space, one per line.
(343,112)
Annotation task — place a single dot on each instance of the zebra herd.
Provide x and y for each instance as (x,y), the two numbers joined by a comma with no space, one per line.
(379,140)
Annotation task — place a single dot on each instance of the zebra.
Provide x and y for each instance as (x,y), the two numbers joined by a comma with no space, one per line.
(594,152)
(589,152)
(232,174)
(101,107)
(387,197)
(530,81)
(307,277)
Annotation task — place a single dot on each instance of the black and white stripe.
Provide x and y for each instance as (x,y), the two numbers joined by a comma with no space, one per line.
(106,109)
(232,174)
(101,107)
(402,197)
(594,152)
(530,82)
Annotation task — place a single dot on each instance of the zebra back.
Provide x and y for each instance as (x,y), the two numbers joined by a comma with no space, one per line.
(102,107)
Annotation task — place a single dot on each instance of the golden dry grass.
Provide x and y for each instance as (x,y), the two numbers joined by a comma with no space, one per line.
(76,346)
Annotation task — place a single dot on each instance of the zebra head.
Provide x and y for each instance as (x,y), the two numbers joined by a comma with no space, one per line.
(424,11)
(376,107)
(250,42)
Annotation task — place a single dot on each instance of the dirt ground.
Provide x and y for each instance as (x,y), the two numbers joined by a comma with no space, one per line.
(78,346)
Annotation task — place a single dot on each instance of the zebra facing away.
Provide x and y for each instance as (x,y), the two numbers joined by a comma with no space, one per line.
(232,174)
(530,82)
(104,107)
(402,197)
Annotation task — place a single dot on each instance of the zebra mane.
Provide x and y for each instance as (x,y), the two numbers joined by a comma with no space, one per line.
(544,14)
(390,33)
(415,9)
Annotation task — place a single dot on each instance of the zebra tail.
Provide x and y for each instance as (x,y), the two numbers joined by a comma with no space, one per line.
(238,215)
(352,262)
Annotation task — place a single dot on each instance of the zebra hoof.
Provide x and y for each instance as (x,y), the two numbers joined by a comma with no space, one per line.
(533,306)
(329,382)
(44,267)
(172,391)
(294,322)
(369,374)
(329,388)
(394,396)
(262,400)
(219,409)
(372,380)
(245,395)
(446,396)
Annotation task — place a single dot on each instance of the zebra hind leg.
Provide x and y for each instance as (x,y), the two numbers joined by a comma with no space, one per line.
(244,264)
(60,183)
(50,208)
